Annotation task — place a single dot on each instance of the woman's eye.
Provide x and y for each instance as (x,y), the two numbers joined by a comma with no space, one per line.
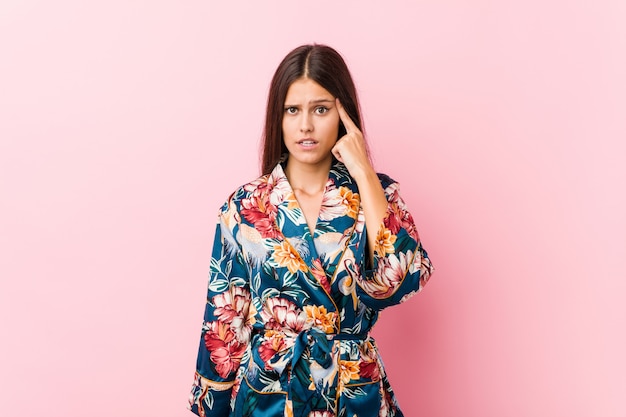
(321,110)
(291,110)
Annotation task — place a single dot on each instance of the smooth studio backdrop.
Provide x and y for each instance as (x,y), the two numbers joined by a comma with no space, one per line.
(124,125)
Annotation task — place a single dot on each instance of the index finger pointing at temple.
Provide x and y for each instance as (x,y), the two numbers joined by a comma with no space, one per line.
(345,118)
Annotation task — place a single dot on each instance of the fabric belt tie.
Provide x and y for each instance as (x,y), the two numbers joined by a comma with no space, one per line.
(320,347)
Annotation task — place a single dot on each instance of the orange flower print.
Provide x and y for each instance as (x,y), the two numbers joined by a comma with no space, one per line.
(348,371)
(320,318)
(286,256)
(288,408)
(384,242)
(292,201)
(274,343)
(350,200)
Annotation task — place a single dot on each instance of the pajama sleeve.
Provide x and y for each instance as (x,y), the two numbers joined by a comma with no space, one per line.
(400,266)
(226,327)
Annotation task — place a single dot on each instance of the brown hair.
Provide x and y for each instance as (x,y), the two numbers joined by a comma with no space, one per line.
(321,64)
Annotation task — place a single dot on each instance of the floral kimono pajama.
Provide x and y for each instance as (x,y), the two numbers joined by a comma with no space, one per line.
(288,314)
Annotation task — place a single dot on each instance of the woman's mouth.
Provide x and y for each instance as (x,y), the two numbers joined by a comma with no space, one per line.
(307,142)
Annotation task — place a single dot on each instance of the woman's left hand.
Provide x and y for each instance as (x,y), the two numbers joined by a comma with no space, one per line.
(350,149)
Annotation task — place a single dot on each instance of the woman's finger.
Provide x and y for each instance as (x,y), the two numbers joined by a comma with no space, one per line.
(345,118)
(336,152)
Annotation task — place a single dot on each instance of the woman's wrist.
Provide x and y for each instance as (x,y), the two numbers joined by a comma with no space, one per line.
(365,175)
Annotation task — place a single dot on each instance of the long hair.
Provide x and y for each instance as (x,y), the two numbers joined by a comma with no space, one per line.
(321,64)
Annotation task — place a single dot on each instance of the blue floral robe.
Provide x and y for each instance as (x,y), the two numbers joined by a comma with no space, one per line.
(288,315)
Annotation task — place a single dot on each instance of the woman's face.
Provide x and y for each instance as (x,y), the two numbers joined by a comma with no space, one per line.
(310,123)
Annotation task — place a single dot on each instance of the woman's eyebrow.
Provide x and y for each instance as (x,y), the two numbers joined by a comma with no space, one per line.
(322,100)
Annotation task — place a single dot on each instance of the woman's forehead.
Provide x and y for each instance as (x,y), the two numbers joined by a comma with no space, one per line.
(305,90)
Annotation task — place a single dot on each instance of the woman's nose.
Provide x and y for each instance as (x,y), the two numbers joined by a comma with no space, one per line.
(306,124)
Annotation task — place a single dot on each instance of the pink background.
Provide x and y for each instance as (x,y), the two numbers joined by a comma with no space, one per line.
(125,124)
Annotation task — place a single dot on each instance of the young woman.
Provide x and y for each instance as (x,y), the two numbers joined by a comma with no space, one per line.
(304,259)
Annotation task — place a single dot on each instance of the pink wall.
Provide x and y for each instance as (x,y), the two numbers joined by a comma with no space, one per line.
(125,124)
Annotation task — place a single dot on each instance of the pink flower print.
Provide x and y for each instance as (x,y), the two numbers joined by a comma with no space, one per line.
(281,314)
(226,350)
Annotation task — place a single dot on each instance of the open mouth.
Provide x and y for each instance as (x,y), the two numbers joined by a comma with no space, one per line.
(307,142)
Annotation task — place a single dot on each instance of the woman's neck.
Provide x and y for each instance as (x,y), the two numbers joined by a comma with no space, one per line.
(310,179)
